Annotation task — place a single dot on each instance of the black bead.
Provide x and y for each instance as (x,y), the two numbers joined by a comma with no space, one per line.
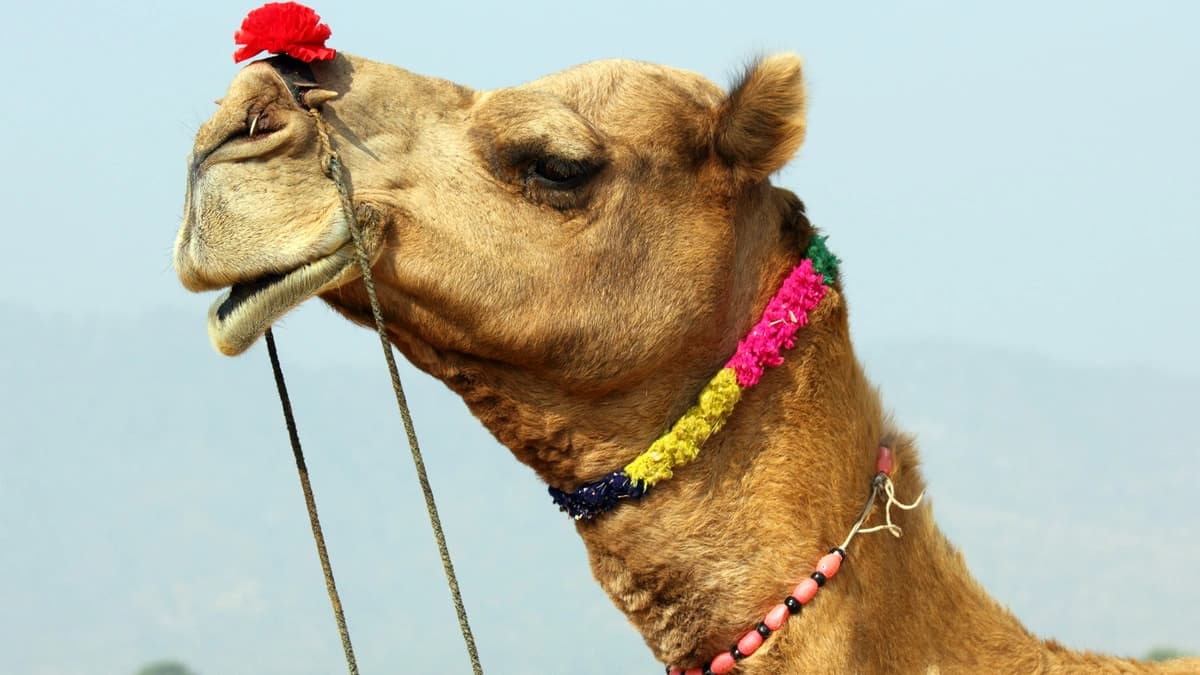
(819,578)
(793,605)
(763,630)
(839,550)
(737,656)
(708,670)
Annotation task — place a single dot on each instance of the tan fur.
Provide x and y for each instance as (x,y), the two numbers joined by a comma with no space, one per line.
(579,324)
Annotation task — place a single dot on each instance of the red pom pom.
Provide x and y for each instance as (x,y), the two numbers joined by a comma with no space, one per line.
(283,28)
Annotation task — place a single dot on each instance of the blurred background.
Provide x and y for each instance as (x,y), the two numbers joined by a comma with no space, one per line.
(1012,189)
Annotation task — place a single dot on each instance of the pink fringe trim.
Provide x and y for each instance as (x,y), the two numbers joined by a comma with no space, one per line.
(785,314)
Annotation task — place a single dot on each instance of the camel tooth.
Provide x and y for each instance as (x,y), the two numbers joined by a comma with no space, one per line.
(253,124)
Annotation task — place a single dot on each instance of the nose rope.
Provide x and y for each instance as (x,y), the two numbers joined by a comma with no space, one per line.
(332,166)
(311,503)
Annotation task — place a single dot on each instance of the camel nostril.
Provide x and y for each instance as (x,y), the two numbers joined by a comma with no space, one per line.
(261,123)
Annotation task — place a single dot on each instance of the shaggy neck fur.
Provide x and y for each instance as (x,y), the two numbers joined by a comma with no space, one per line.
(695,564)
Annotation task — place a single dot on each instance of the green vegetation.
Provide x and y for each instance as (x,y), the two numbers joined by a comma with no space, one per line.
(165,668)
(1164,654)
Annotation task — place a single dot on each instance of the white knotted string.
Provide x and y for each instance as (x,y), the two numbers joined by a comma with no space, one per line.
(889,490)
(882,480)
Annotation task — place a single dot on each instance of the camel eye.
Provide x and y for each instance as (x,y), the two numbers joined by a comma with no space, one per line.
(560,174)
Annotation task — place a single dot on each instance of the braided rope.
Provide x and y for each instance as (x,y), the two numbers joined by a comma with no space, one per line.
(311,503)
(333,168)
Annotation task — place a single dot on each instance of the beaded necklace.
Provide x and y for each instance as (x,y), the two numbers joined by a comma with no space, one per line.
(785,314)
(827,567)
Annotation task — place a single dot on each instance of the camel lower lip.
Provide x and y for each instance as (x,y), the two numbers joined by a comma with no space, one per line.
(244,312)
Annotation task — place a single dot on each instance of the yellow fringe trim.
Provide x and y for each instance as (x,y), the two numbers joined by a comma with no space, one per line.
(682,443)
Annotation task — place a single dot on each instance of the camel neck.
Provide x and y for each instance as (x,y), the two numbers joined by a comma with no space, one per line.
(699,561)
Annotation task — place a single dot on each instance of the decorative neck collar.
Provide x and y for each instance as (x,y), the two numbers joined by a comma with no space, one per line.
(785,314)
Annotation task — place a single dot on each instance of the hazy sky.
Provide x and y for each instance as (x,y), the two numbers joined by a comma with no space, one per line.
(1020,175)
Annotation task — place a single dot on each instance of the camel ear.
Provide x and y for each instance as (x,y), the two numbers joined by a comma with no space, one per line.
(760,125)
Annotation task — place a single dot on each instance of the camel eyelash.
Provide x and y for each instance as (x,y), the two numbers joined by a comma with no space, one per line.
(559,183)
(556,173)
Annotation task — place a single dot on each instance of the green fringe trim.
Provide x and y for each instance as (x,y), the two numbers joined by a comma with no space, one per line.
(823,260)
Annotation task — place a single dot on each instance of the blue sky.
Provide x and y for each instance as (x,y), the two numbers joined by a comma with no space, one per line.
(1018,176)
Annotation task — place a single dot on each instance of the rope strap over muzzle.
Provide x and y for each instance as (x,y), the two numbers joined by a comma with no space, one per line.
(331,165)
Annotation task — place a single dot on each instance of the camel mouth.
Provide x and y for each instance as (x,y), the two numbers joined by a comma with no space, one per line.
(247,309)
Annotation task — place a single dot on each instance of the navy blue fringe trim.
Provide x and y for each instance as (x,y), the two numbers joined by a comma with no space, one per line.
(596,497)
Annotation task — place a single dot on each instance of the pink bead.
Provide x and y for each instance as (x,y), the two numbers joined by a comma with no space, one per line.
(883,464)
(674,671)
(805,591)
(750,643)
(724,663)
(829,564)
(775,618)
(694,671)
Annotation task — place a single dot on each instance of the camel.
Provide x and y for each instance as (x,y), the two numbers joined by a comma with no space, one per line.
(576,257)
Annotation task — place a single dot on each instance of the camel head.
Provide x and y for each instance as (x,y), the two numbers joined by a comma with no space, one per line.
(569,238)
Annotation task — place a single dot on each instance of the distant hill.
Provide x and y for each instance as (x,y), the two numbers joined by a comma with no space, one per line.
(149,507)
